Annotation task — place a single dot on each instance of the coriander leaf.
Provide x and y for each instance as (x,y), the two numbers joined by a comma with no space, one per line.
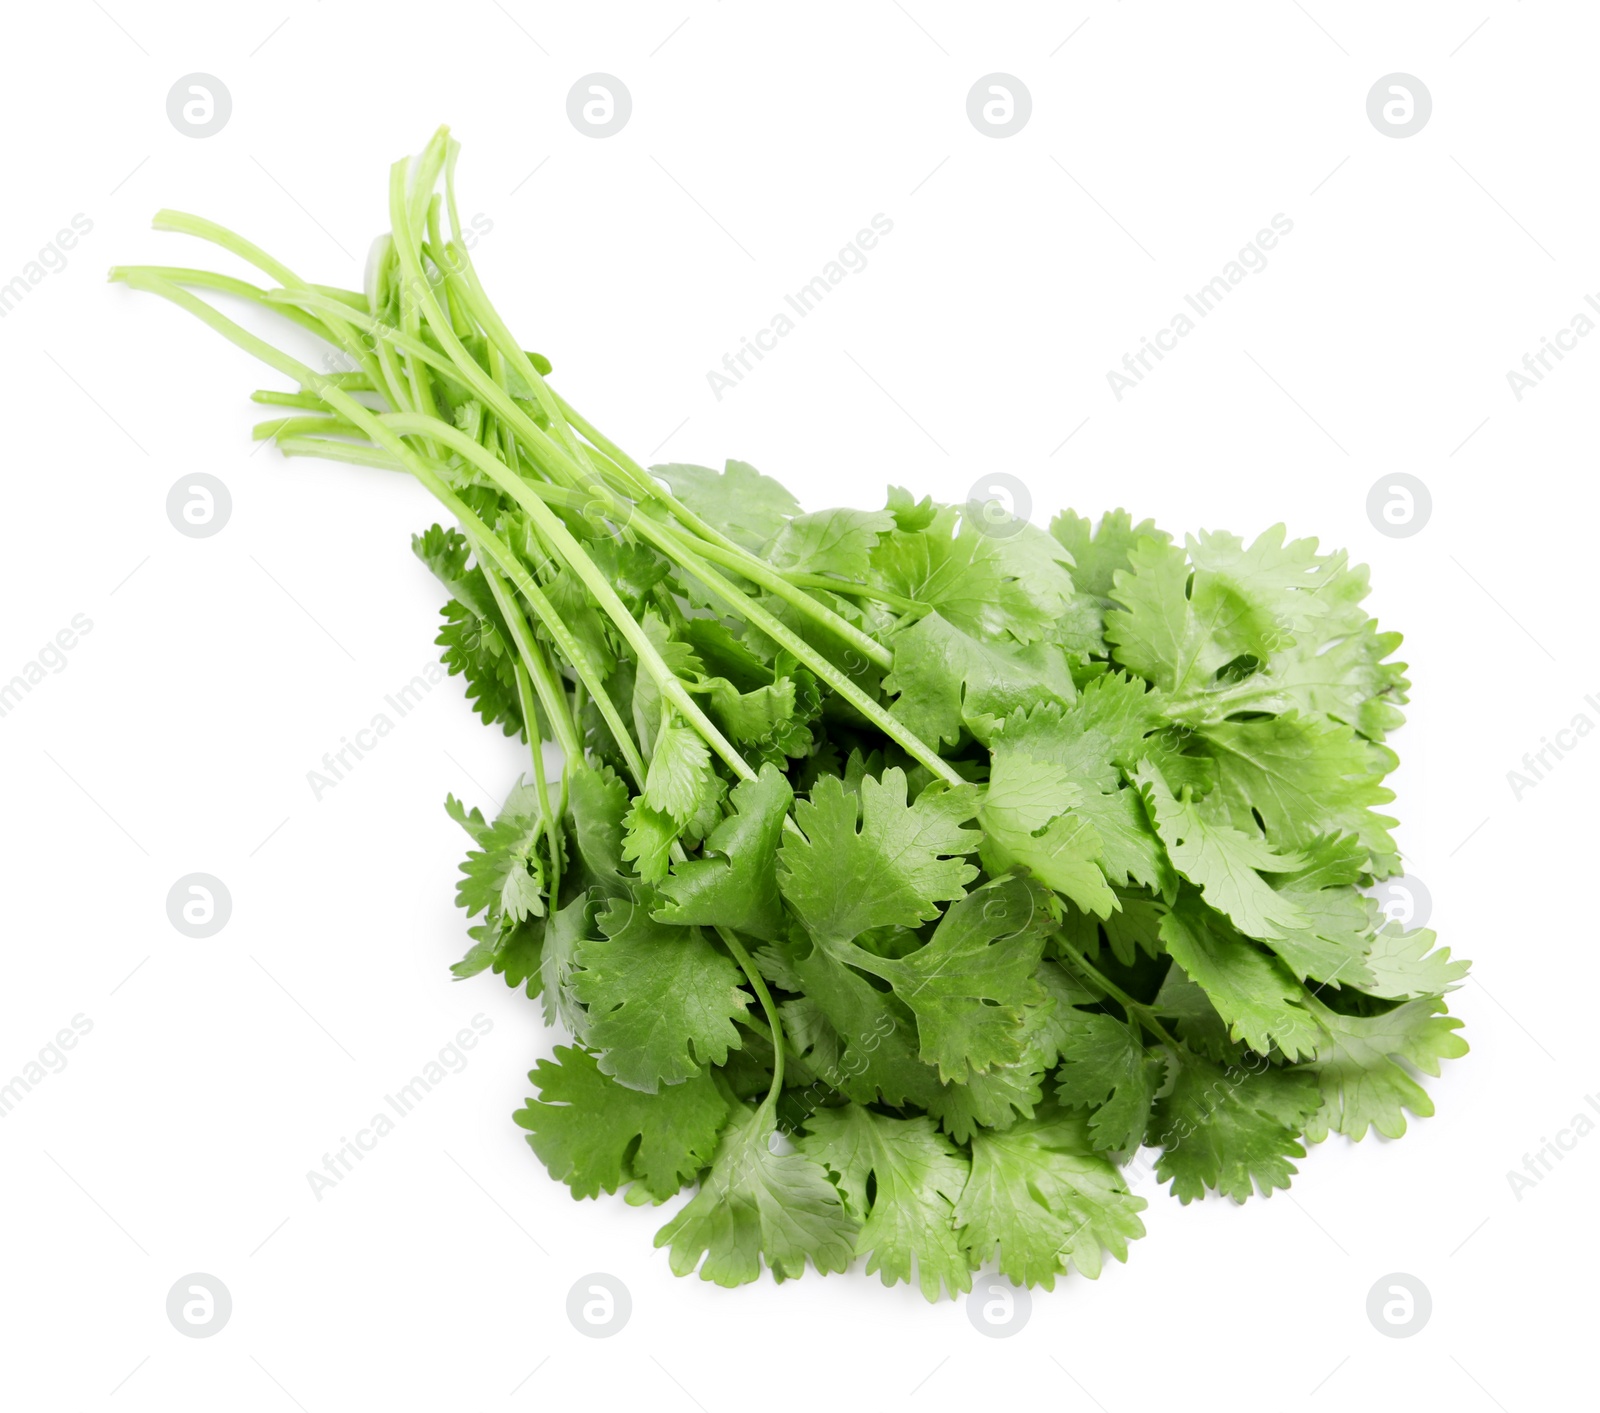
(900,1179)
(739,889)
(1255,993)
(446,552)
(757,1205)
(1097,557)
(1041,1194)
(679,656)
(598,801)
(945,678)
(997,1098)
(888,864)
(969,983)
(476,651)
(1306,778)
(648,840)
(679,778)
(1199,1025)
(772,720)
(1332,945)
(863,1041)
(838,542)
(1232,1130)
(1130,850)
(1402,964)
(562,935)
(910,515)
(1357,1065)
(594,1135)
(504,876)
(984,585)
(661,1000)
(1179,627)
(1035,762)
(1223,862)
(745,505)
(1105,1067)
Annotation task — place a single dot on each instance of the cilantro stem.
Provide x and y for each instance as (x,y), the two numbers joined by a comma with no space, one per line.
(424,472)
(786,638)
(552,827)
(1136,1010)
(552,695)
(857,591)
(759,985)
(717,546)
(573,555)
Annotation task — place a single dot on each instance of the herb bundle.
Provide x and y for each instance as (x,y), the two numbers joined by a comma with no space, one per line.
(905,871)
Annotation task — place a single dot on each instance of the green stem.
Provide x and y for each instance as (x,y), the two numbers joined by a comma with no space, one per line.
(551,694)
(1136,1010)
(552,825)
(371,424)
(572,553)
(850,589)
(759,985)
(786,638)
(717,546)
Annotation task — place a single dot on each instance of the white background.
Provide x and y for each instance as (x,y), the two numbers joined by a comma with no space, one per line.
(218,671)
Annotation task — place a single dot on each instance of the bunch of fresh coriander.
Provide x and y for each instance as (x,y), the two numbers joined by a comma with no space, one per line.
(906,870)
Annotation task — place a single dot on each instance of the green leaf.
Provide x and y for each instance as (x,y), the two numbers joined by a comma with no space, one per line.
(1305,778)
(1332,945)
(679,779)
(1036,762)
(1097,557)
(900,1179)
(661,1000)
(884,864)
(1223,862)
(756,1205)
(1405,964)
(946,679)
(1231,1130)
(594,1135)
(836,542)
(998,1097)
(648,840)
(734,884)
(1042,1196)
(1358,1066)
(446,553)
(476,651)
(985,585)
(1178,626)
(1254,992)
(558,959)
(504,876)
(1105,1067)
(746,506)
(970,983)
(598,801)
